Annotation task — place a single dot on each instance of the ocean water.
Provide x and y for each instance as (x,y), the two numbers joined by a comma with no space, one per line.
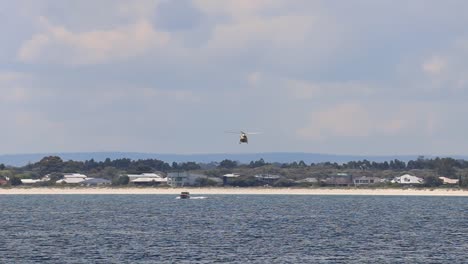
(233,229)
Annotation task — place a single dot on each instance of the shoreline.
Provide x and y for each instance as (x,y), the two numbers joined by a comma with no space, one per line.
(232,191)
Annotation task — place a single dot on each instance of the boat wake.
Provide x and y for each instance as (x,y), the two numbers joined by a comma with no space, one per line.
(193,198)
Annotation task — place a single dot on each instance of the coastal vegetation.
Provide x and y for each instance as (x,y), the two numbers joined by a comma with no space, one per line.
(289,174)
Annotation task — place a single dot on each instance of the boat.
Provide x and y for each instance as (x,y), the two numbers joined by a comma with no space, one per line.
(184,195)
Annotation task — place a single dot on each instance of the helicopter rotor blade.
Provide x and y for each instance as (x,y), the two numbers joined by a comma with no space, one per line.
(233,132)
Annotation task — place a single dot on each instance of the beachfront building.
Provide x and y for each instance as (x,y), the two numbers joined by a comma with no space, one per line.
(146,179)
(446,180)
(33,181)
(227,177)
(73,178)
(339,179)
(309,180)
(267,178)
(365,180)
(180,179)
(408,179)
(30,181)
(95,182)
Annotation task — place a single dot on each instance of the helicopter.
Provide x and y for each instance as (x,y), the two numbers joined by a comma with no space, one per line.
(243,136)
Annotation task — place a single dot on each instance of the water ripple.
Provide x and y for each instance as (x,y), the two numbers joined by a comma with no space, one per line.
(233,229)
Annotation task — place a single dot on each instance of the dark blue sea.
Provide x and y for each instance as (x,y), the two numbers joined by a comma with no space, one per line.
(233,229)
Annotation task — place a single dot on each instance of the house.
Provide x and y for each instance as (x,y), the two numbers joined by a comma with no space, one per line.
(365,180)
(180,179)
(144,175)
(146,179)
(340,179)
(33,181)
(446,180)
(408,179)
(267,178)
(95,182)
(73,178)
(30,181)
(3,182)
(308,180)
(228,176)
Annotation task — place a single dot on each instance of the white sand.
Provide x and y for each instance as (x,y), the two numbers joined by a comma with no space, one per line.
(236,191)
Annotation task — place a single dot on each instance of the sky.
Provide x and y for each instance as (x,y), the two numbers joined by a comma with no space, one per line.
(359,77)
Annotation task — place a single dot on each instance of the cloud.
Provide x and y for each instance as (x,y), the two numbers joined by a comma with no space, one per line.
(345,120)
(344,76)
(434,66)
(12,87)
(177,15)
(56,44)
(356,120)
(305,90)
(237,9)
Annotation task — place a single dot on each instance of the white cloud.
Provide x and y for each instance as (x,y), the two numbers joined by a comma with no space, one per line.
(359,120)
(57,44)
(12,87)
(304,90)
(345,120)
(237,9)
(435,66)
(322,70)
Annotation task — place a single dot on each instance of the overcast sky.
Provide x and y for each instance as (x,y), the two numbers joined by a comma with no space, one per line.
(332,76)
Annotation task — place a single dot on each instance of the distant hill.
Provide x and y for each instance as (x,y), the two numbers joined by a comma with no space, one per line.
(281,157)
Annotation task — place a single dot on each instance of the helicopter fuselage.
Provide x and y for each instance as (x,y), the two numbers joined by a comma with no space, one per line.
(243,138)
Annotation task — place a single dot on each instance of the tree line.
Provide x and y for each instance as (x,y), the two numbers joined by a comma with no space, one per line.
(112,169)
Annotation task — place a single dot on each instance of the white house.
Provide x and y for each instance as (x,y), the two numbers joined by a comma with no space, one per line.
(308,180)
(32,181)
(180,179)
(365,180)
(446,180)
(408,179)
(231,175)
(95,182)
(146,178)
(73,178)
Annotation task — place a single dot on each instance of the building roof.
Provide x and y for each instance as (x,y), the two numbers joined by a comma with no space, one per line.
(267,176)
(149,179)
(144,175)
(408,179)
(74,175)
(185,174)
(95,181)
(73,180)
(231,175)
(448,180)
(309,180)
(30,181)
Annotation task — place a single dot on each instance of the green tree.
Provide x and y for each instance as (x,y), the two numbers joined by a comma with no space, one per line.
(432,181)
(189,166)
(228,164)
(2,166)
(15,181)
(258,163)
(445,166)
(205,182)
(283,183)
(122,180)
(50,164)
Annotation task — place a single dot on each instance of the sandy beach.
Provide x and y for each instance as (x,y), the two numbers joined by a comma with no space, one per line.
(234,191)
